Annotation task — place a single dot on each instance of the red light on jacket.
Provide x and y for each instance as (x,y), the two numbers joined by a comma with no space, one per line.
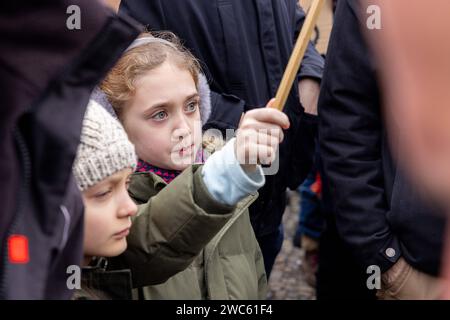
(18,249)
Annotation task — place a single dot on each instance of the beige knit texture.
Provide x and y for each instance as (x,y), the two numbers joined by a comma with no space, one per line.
(104,148)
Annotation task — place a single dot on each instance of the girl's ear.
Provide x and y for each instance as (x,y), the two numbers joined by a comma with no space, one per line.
(204,92)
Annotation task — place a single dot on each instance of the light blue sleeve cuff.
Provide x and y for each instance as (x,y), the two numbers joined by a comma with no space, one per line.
(225,179)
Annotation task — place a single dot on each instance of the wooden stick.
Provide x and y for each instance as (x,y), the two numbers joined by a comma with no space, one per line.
(297,55)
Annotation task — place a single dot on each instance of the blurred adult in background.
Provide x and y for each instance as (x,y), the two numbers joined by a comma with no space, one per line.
(414,67)
(379,215)
(47,73)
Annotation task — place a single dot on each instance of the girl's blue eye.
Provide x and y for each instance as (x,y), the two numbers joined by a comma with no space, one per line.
(159,116)
(191,107)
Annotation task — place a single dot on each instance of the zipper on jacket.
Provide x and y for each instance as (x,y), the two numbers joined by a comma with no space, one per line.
(25,161)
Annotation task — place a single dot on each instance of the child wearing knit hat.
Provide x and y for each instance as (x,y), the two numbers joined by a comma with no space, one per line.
(103,164)
(105,159)
(155,90)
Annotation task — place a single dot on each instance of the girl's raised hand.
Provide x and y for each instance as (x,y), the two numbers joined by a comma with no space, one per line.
(259,134)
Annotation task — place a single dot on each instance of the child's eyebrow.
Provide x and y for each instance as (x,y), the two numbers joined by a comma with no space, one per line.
(149,110)
(192,96)
(169,104)
(115,178)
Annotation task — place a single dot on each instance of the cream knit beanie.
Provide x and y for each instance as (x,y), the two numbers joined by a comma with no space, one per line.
(104,148)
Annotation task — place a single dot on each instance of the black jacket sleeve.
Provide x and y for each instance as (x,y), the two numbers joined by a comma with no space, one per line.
(226,112)
(351,142)
(313,63)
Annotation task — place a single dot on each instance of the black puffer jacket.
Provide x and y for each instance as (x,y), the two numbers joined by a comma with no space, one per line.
(47,73)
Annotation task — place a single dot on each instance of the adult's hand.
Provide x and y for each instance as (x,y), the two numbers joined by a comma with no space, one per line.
(309,90)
